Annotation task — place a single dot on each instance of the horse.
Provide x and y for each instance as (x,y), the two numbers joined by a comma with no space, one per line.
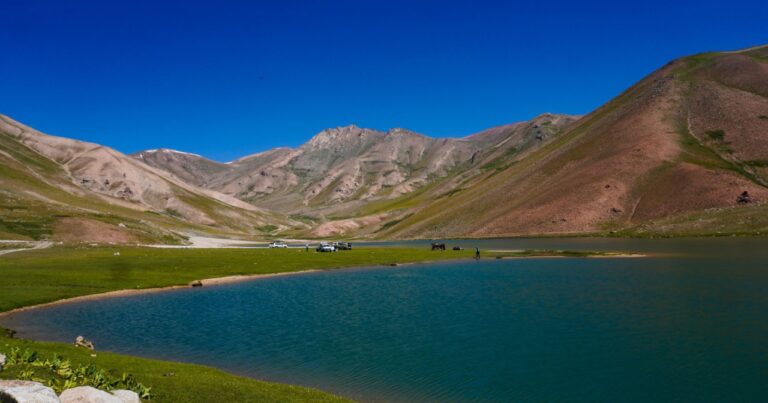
(438,246)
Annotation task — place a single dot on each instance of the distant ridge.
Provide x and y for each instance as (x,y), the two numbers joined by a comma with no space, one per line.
(682,152)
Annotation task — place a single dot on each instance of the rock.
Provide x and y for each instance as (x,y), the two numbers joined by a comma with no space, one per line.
(127,396)
(28,392)
(196,283)
(87,394)
(80,341)
(744,198)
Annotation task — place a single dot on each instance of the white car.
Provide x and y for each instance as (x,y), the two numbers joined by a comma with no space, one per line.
(278,244)
(326,247)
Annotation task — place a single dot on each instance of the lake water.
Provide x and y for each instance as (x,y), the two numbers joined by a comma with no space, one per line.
(689,323)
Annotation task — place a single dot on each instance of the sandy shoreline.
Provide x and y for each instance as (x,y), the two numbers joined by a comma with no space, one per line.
(246,277)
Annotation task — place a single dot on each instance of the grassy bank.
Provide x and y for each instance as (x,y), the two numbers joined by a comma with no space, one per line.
(174,382)
(46,275)
(36,277)
(40,276)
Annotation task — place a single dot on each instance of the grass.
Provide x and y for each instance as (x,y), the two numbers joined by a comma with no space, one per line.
(727,221)
(40,276)
(172,382)
(267,229)
(694,64)
(45,275)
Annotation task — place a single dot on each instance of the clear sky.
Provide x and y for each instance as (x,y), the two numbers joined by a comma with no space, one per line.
(229,78)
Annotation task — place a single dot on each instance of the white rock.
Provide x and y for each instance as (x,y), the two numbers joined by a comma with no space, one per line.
(28,392)
(127,396)
(87,394)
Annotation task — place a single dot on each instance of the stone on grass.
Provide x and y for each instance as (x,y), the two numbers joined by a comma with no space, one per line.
(81,341)
(127,396)
(87,394)
(28,391)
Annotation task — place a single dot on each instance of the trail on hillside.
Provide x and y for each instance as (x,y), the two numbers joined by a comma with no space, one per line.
(36,245)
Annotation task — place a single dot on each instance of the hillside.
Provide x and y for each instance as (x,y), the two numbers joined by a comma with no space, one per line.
(670,155)
(351,178)
(72,191)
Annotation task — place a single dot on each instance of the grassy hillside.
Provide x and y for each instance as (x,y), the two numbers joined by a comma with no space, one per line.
(670,156)
(40,199)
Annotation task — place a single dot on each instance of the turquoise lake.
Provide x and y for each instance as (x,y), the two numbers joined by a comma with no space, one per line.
(687,323)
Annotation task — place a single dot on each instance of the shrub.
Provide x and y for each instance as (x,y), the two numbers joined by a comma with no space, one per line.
(718,135)
(59,374)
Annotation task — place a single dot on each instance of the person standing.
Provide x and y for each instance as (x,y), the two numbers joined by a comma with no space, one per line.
(477,253)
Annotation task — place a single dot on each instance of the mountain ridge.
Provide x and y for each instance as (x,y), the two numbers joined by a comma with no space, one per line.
(684,151)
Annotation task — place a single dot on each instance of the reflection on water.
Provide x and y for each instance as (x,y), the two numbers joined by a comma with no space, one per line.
(687,324)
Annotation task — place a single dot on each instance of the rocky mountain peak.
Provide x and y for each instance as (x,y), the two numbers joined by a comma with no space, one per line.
(342,135)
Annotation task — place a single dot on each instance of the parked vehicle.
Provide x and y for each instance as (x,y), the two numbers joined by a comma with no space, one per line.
(343,245)
(278,244)
(326,247)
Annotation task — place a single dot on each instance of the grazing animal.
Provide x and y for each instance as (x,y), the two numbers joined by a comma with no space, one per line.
(438,246)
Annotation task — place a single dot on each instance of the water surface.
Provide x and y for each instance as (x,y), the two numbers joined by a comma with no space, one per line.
(690,324)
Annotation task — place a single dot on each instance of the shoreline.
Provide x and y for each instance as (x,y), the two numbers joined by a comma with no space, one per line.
(214,281)
(138,291)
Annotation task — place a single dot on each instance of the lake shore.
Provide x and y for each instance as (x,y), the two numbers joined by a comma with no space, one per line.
(214,281)
(79,274)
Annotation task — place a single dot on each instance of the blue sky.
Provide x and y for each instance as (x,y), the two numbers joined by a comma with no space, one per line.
(229,78)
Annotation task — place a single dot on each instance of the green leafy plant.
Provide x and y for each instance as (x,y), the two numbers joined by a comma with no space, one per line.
(59,374)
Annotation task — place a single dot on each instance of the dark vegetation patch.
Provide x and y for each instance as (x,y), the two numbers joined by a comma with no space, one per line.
(35,228)
(757,163)
(390,224)
(269,228)
(173,213)
(717,135)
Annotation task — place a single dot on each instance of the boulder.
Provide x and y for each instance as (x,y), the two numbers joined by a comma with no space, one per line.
(28,392)
(87,394)
(127,396)
(80,341)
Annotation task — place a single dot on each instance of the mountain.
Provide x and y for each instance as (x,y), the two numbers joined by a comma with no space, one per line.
(682,152)
(77,191)
(671,155)
(346,171)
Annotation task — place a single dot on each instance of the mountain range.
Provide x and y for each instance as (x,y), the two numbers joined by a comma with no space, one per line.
(672,155)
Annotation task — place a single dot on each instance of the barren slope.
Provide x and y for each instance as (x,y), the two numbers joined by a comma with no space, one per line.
(53,184)
(688,138)
(349,179)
